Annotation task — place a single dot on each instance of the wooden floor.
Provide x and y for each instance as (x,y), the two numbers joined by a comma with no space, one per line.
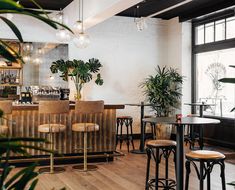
(125,173)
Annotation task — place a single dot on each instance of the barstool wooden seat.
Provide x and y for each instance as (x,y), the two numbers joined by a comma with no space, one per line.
(157,149)
(85,108)
(127,121)
(52,108)
(207,160)
(6,107)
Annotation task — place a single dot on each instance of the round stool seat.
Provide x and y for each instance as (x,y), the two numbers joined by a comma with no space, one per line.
(193,115)
(55,128)
(161,143)
(81,127)
(3,129)
(205,155)
(124,117)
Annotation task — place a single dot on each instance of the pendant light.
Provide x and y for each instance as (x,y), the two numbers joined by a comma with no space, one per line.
(62,35)
(139,21)
(81,40)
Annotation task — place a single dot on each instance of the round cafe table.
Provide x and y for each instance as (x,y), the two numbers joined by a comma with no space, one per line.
(180,139)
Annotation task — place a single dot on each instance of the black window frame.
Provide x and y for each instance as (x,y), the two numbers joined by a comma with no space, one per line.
(207,47)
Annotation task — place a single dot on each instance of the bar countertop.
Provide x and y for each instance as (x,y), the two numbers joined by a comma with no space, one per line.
(72,106)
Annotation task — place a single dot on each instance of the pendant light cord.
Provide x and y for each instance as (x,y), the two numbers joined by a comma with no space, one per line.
(82,16)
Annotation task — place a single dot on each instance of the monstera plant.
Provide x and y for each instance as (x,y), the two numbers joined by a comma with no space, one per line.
(229,80)
(79,71)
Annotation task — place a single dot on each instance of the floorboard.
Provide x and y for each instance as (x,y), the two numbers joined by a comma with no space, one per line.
(124,173)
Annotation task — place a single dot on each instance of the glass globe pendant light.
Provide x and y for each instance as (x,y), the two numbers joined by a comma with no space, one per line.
(62,35)
(81,39)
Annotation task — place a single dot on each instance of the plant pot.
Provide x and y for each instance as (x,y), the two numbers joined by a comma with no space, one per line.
(163,131)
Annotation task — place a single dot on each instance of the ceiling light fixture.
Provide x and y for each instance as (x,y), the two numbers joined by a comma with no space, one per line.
(62,34)
(139,21)
(81,40)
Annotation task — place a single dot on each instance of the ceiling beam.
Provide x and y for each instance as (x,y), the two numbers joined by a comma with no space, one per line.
(96,12)
(215,6)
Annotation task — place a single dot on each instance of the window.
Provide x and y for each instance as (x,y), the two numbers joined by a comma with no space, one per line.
(214,51)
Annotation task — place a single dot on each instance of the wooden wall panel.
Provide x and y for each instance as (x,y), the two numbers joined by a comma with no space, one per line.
(25,124)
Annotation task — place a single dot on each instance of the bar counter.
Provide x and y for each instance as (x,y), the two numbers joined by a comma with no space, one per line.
(26,120)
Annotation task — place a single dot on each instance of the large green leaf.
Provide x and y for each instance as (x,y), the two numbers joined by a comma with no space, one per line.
(10,5)
(227,80)
(13,28)
(7,54)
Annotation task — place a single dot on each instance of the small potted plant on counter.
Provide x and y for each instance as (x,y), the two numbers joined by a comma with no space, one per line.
(163,90)
(79,71)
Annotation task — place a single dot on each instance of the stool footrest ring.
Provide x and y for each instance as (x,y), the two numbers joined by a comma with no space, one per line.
(162,183)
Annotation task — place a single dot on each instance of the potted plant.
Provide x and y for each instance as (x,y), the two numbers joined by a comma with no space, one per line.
(163,90)
(79,71)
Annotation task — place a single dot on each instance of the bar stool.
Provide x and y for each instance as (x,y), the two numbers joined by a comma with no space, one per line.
(158,149)
(206,159)
(85,108)
(127,121)
(153,128)
(6,107)
(191,137)
(52,108)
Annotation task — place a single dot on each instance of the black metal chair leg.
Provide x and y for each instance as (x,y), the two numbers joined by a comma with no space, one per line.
(188,171)
(157,169)
(166,168)
(222,166)
(127,136)
(201,175)
(117,133)
(208,178)
(121,137)
(132,142)
(148,168)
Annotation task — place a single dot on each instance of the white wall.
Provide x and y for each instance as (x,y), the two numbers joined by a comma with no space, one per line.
(179,56)
(128,56)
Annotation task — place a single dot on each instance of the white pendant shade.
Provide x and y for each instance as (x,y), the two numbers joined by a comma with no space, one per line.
(82,40)
(62,35)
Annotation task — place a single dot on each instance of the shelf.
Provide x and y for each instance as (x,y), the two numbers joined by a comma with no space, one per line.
(14,66)
(10,84)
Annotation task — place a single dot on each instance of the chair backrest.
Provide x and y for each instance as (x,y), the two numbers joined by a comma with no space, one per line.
(89,107)
(6,106)
(54,107)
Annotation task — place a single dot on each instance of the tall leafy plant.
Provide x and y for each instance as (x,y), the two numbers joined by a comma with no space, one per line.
(79,71)
(163,90)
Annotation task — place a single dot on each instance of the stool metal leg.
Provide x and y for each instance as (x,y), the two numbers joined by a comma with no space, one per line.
(121,137)
(132,142)
(188,171)
(201,175)
(117,133)
(222,166)
(166,166)
(148,168)
(51,169)
(208,177)
(127,136)
(157,169)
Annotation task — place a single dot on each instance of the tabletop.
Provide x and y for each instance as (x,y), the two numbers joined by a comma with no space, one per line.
(183,121)
(199,104)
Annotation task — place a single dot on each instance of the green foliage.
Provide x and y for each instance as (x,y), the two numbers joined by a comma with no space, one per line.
(163,90)
(10,6)
(80,72)
(26,177)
